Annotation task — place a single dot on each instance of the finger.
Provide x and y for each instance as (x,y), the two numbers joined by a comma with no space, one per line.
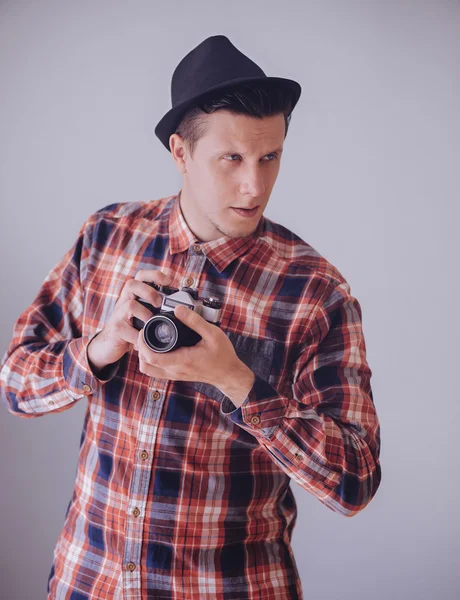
(133,289)
(193,320)
(169,360)
(133,308)
(147,369)
(125,331)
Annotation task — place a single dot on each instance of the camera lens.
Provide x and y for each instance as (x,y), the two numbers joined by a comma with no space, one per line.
(163,333)
(160,333)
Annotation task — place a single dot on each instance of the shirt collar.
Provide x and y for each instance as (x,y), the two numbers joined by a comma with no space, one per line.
(221,251)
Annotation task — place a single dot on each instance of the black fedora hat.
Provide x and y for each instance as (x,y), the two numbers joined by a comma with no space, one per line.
(215,64)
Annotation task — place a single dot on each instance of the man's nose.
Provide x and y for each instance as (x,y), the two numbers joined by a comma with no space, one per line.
(253,182)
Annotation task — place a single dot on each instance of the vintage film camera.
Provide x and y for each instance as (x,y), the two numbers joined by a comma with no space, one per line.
(164,332)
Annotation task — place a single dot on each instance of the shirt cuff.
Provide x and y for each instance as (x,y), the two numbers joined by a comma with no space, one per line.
(261,411)
(78,375)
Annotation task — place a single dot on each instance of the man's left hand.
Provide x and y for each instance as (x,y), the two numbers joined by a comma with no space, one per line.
(213,360)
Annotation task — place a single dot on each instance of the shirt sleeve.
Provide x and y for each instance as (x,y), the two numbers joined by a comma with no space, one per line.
(45,367)
(326,435)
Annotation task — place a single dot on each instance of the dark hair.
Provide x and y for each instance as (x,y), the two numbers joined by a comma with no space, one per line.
(256,99)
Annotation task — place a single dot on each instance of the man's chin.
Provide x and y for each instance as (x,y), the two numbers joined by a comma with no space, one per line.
(239,232)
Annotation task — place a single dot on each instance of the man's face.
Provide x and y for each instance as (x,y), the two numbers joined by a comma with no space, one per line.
(235,164)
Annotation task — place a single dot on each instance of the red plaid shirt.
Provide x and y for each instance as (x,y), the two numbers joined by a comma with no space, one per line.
(180,494)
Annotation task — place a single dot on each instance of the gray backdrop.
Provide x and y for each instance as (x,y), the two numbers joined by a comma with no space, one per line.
(369,177)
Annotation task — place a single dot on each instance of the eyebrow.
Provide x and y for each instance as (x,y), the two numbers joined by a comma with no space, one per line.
(280,149)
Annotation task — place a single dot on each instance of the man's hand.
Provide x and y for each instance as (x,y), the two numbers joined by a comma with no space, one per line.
(213,360)
(119,335)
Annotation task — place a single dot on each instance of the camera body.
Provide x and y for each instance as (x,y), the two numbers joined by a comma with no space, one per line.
(164,332)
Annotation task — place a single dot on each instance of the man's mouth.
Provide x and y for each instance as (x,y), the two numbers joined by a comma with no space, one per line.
(246,212)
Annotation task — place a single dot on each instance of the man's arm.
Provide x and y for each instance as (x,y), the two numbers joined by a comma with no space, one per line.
(326,435)
(46,367)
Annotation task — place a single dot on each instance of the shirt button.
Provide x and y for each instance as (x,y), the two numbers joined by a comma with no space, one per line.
(50,401)
(131,566)
(144,455)
(298,456)
(255,419)
(136,512)
(86,388)
(189,282)
(197,248)
(156,395)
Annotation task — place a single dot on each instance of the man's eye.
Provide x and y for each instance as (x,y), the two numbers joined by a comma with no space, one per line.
(273,154)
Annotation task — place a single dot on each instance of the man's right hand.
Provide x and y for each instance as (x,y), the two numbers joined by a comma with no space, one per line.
(119,335)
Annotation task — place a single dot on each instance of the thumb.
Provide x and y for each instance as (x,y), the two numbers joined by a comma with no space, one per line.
(192,319)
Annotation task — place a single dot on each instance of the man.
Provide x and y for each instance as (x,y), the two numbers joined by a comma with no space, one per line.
(186,456)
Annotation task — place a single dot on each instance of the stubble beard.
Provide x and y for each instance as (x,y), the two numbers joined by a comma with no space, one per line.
(231,234)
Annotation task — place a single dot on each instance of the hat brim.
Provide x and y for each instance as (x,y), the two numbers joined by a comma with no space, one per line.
(168,124)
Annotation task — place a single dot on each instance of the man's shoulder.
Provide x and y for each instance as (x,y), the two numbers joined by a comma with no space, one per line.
(298,253)
(122,216)
(148,209)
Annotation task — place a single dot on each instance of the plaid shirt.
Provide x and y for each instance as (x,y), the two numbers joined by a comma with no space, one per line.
(180,494)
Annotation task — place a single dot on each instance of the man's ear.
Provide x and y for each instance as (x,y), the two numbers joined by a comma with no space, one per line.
(178,151)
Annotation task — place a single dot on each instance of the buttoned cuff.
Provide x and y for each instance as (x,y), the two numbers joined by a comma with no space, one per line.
(78,375)
(262,410)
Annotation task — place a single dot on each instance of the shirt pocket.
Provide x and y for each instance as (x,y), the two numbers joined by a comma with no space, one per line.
(256,353)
